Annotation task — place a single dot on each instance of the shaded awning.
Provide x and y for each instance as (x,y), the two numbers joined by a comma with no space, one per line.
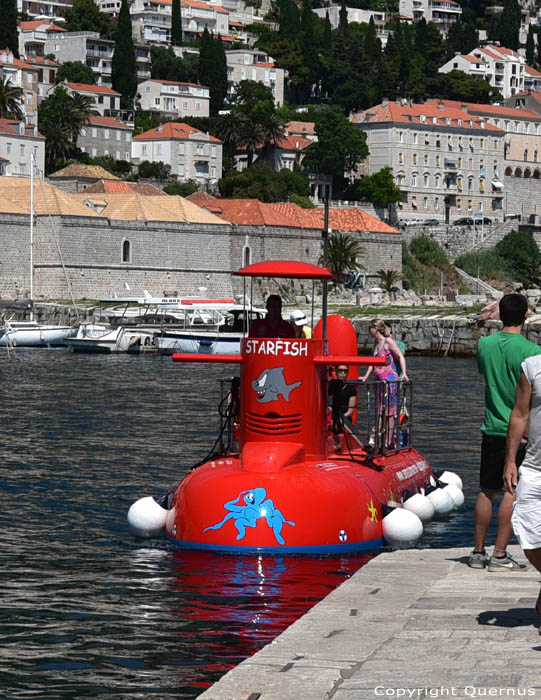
(497,185)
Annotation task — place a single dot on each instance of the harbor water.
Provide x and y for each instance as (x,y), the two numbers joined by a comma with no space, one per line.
(86,610)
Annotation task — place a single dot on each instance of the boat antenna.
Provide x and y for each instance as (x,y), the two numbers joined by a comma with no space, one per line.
(325,236)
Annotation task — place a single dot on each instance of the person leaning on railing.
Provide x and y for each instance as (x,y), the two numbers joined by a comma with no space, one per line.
(343,402)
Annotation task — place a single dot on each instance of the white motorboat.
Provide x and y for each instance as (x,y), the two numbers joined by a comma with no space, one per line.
(134,323)
(212,329)
(33,334)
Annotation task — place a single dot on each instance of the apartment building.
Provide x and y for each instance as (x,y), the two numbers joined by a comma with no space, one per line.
(33,34)
(172,100)
(192,154)
(104,100)
(247,64)
(106,136)
(502,68)
(443,13)
(447,162)
(355,14)
(25,77)
(151,19)
(19,142)
(97,53)
(54,9)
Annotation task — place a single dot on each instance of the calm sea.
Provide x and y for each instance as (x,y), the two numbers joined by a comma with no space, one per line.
(85,610)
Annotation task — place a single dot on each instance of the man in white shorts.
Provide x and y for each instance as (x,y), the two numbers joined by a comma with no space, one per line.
(526,420)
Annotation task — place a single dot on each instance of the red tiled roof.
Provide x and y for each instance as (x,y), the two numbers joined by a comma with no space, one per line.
(174,82)
(536,94)
(173,131)
(108,121)
(251,212)
(16,62)
(30,25)
(11,127)
(120,186)
(301,128)
(194,3)
(534,73)
(493,110)
(411,114)
(42,61)
(83,87)
(293,142)
(472,59)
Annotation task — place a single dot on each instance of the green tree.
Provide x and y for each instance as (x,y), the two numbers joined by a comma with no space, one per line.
(458,85)
(181,189)
(389,278)
(289,19)
(260,182)
(343,255)
(530,47)
(379,188)
(213,70)
(522,254)
(176,23)
(10,100)
(340,145)
(75,72)
(61,119)
(506,26)
(123,65)
(85,16)
(9,38)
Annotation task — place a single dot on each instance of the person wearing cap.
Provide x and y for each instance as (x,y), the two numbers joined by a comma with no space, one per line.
(343,398)
(298,320)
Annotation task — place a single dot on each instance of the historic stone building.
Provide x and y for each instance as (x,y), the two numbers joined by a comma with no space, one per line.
(90,244)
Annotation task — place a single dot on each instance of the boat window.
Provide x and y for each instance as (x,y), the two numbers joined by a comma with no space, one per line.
(126,251)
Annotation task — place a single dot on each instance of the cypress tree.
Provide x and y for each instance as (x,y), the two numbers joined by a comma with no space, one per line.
(176,23)
(309,48)
(530,47)
(123,65)
(343,20)
(538,49)
(206,59)
(9,37)
(289,19)
(220,77)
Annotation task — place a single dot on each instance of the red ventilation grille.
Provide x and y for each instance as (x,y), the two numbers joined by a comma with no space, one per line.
(274,424)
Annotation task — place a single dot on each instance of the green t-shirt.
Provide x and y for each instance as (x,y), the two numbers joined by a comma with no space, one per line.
(499,357)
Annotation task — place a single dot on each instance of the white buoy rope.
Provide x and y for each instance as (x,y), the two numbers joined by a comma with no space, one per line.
(401,528)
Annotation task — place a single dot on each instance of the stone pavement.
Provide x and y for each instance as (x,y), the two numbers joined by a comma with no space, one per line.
(409,624)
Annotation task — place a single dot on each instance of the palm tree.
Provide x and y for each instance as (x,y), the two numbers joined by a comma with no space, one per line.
(342,255)
(389,278)
(251,138)
(10,100)
(228,129)
(272,129)
(80,113)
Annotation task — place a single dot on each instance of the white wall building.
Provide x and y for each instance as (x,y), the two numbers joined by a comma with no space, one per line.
(192,154)
(151,19)
(54,9)
(105,100)
(33,35)
(106,136)
(502,68)
(19,142)
(356,15)
(172,99)
(25,77)
(247,64)
(442,12)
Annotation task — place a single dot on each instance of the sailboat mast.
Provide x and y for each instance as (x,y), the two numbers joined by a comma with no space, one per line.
(32,236)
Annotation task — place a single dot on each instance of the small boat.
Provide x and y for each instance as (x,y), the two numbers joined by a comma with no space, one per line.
(33,334)
(209,328)
(284,482)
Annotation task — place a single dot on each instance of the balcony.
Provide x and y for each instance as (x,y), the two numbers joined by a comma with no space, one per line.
(450,164)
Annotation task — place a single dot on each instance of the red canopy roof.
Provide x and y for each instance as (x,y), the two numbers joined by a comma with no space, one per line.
(286,268)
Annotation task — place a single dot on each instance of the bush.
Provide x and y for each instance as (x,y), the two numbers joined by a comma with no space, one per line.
(428,252)
(488,264)
(182,189)
(523,257)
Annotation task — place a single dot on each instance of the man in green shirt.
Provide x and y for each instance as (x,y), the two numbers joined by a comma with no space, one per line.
(499,357)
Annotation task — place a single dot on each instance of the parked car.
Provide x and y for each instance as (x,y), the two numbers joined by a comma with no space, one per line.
(431,222)
(464,221)
(403,223)
(485,220)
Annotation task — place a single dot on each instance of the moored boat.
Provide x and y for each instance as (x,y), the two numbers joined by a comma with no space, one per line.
(30,333)
(285,484)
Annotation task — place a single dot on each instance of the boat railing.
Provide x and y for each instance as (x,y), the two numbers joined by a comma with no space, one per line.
(383,418)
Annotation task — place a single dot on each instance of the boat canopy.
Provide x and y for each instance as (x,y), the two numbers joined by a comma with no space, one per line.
(286,268)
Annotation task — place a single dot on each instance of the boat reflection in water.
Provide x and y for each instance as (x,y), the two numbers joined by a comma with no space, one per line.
(234,605)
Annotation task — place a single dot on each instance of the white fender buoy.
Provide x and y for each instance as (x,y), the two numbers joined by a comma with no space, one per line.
(451,478)
(146,518)
(456,494)
(421,506)
(402,528)
(442,502)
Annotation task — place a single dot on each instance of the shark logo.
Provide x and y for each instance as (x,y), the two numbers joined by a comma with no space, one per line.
(270,385)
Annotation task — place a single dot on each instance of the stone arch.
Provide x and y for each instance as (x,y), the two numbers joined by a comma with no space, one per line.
(527,172)
(518,172)
(508,171)
(126,251)
(536,174)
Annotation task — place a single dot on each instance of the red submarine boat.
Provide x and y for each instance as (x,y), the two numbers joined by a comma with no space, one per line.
(287,487)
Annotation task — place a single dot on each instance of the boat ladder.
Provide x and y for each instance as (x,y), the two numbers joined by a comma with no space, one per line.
(446,334)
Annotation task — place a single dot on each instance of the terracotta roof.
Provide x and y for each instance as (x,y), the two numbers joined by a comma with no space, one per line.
(47,198)
(293,142)
(15,62)
(83,87)
(536,94)
(136,207)
(11,127)
(301,128)
(118,186)
(472,59)
(493,110)
(252,212)
(41,60)
(531,71)
(7,206)
(173,131)
(36,23)
(81,170)
(108,121)
(193,3)
(412,114)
